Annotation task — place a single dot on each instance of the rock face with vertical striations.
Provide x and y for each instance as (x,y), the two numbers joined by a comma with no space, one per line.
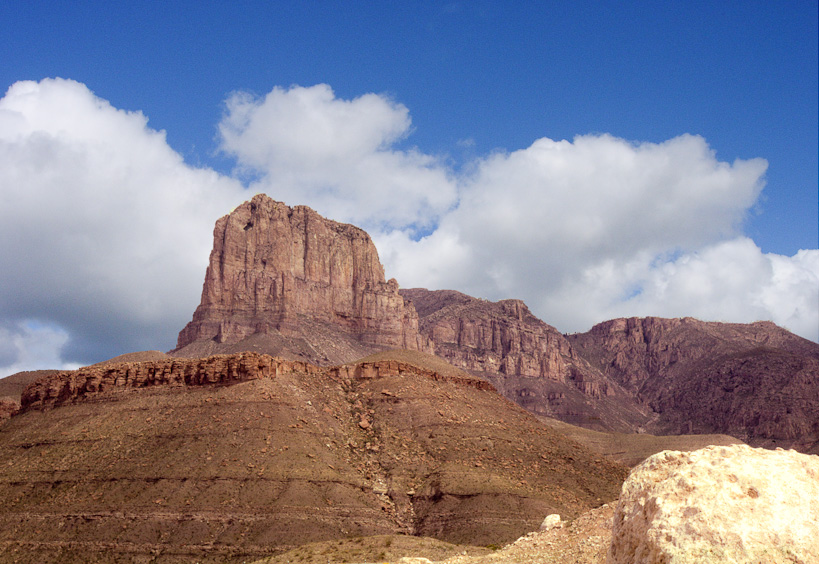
(287,281)
(527,360)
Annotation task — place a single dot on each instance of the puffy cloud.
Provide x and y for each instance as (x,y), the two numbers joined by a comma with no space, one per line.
(730,280)
(534,218)
(338,156)
(735,281)
(599,227)
(105,230)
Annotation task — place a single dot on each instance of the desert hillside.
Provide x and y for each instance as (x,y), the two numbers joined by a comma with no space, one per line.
(227,458)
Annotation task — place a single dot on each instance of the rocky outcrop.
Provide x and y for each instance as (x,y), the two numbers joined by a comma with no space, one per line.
(719,504)
(69,387)
(289,272)
(529,361)
(8,407)
(495,337)
(757,381)
(635,351)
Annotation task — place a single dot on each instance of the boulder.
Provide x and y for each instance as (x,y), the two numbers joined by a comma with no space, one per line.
(552,521)
(719,504)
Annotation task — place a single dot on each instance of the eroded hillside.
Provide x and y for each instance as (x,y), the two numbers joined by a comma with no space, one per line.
(244,463)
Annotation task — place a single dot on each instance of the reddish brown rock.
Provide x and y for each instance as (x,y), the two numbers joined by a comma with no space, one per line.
(239,461)
(8,407)
(71,386)
(757,381)
(291,274)
(495,337)
(528,360)
(67,387)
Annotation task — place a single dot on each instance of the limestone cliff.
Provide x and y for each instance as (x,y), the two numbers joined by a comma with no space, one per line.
(529,361)
(291,274)
(496,337)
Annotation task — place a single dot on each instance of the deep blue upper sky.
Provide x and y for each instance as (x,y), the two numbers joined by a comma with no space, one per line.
(475,75)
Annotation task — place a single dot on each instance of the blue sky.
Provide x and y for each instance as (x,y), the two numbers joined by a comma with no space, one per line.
(741,74)
(459,82)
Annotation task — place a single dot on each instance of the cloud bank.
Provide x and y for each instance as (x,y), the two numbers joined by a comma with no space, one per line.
(106,230)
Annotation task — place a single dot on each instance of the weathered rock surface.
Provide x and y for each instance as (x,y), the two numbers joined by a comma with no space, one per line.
(232,458)
(719,504)
(312,285)
(8,407)
(529,361)
(757,382)
(495,337)
(12,386)
(71,386)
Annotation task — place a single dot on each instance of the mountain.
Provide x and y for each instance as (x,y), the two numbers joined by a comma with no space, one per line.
(288,282)
(233,457)
(528,361)
(757,381)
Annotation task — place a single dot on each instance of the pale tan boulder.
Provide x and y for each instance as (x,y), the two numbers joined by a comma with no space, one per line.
(552,521)
(726,504)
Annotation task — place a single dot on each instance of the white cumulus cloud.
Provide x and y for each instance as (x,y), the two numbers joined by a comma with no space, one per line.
(338,156)
(106,231)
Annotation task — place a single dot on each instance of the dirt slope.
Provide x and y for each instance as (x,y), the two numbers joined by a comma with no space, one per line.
(178,471)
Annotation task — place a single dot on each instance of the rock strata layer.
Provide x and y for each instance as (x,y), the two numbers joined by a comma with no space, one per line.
(62,388)
(719,504)
(290,273)
(529,361)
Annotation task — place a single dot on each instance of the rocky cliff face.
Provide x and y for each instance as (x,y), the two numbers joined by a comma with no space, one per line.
(288,272)
(527,360)
(72,386)
(756,381)
(635,351)
(495,337)
(8,407)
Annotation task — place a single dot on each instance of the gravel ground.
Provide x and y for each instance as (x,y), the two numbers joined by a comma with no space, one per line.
(583,541)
